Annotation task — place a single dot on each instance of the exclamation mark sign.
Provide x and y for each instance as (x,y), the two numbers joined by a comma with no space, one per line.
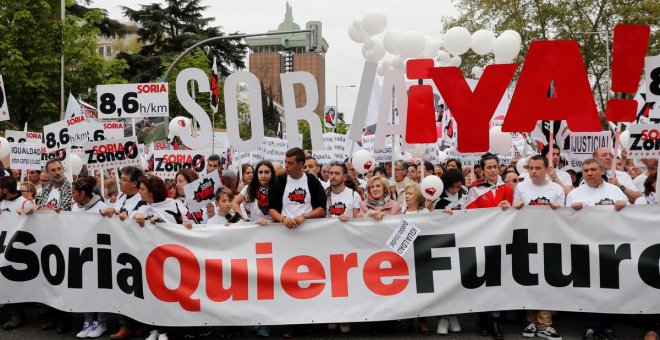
(628,52)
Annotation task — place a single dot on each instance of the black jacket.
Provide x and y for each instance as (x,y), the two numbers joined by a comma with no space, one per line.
(276,194)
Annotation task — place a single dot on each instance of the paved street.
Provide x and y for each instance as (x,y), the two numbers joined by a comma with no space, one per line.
(568,324)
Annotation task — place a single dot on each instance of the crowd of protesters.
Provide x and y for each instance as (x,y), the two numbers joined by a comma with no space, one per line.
(303,189)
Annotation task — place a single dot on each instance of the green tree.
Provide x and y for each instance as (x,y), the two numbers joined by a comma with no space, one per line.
(271,115)
(168,30)
(32,40)
(553,20)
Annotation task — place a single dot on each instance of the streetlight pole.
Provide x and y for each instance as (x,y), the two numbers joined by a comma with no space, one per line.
(337,100)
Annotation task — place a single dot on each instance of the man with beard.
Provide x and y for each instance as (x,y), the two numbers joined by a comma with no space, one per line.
(57,195)
(343,202)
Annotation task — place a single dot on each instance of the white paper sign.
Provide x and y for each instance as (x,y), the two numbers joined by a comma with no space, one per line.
(56,154)
(325,156)
(168,162)
(583,144)
(106,154)
(14,136)
(106,130)
(133,100)
(644,141)
(652,73)
(26,156)
(202,191)
(403,237)
(62,134)
(4,110)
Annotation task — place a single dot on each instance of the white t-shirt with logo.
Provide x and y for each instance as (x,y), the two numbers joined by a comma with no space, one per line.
(605,194)
(93,209)
(343,203)
(625,180)
(297,199)
(53,198)
(532,194)
(125,204)
(260,201)
(17,203)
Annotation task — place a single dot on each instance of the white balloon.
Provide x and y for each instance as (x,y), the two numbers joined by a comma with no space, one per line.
(76,164)
(477,72)
(483,42)
(442,156)
(357,23)
(397,63)
(500,142)
(455,61)
(513,34)
(362,161)
(457,40)
(506,48)
(374,22)
(391,41)
(411,44)
(180,125)
(521,165)
(387,64)
(430,48)
(5,148)
(373,50)
(431,187)
(380,71)
(357,34)
(444,57)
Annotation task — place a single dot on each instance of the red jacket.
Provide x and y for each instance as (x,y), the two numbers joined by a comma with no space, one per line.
(490,199)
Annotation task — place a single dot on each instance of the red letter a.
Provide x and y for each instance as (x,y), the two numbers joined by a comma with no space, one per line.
(562,62)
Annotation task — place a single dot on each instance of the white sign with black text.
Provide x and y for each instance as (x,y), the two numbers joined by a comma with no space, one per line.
(133,100)
(26,156)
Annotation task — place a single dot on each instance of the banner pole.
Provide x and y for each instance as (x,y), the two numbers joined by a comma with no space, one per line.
(617,136)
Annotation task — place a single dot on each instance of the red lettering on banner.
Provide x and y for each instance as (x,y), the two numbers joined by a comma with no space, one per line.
(113,125)
(177,158)
(238,287)
(291,277)
(265,272)
(373,273)
(75,120)
(189,269)
(473,110)
(572,100)
(151,88)
(339,266)
(108,148)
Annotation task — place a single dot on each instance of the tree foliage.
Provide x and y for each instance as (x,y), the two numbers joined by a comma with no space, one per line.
(590,22)
(32,40)
(168,30)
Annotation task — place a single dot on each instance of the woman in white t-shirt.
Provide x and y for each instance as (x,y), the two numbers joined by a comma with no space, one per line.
(86,201)
(649,192)
(256,194)
(414,199)
(158,207)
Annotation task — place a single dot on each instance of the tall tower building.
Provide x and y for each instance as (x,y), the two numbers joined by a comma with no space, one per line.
(270,56)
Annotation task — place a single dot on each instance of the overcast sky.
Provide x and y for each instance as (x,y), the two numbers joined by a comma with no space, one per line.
(344,59)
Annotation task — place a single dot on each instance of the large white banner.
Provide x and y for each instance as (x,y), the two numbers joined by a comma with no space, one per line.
(594,260)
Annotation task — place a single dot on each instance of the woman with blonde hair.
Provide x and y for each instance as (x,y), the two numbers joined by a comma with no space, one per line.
(378,202)
(414,199)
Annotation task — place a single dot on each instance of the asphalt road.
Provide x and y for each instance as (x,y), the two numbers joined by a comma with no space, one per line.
(569,325)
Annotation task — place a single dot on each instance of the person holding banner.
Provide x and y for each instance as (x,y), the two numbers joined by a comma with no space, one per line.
(158,207)
(343,195)
(379,202)
(28,190)
(649,190)
(129,199)
(595,191)
(490,192)
(414,200)
(57,195)
(223,200)
(182,178)
(537,191)
(256,194)
(296,196)
(554,174)
(455,193)
(13,201)
(620,179)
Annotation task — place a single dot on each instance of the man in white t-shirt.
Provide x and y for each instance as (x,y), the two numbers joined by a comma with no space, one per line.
(651,166)
(620,179)
(343,202)
(296,195)
(595,191)
(129,199)
(57,195)
(554,174)
(538,190)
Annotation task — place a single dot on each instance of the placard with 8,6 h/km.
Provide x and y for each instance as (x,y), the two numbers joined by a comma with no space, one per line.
(133,100)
